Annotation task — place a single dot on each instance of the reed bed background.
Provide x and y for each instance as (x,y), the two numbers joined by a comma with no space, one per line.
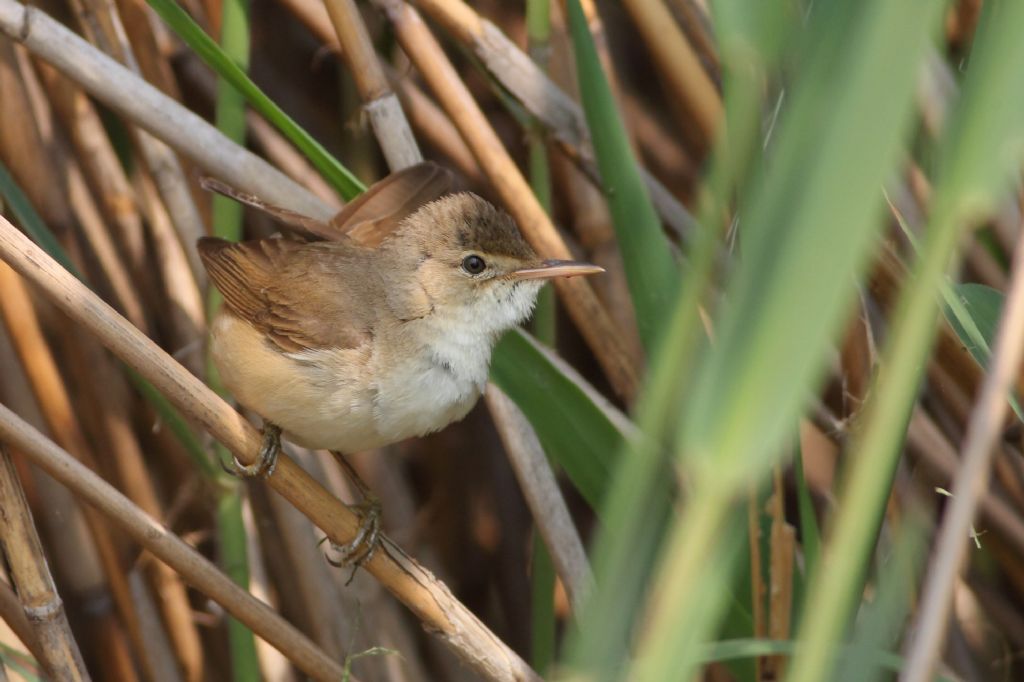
(780,439)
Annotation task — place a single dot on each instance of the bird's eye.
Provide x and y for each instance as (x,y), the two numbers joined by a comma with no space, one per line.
(474,265)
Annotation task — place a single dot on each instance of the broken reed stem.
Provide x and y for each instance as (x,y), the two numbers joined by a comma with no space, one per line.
(32,580)
(583,305)
(429,599)
(543,496)
(144,105)
(970,482)
(163,544)
(389,123)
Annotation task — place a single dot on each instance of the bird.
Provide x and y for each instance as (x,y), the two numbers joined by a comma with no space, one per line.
(373,327)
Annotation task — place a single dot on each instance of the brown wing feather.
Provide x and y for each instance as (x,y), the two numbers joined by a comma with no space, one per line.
(372,216)
(291,290)
(369,218)
(295,224)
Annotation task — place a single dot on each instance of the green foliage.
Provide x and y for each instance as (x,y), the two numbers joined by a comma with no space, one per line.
(650,269)
(978,157)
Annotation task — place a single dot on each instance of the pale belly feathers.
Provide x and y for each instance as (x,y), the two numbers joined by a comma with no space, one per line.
(325,398)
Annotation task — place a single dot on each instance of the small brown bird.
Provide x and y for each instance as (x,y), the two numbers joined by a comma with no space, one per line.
(378,325)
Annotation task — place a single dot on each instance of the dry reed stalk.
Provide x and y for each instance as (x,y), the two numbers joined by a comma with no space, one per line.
(112,428)
(144,105)
(386,117)
(697,25)
(970,481)
(184,314)
(314,592)
(413,585)
(160,661)
(930,446)
(103,26)
(543,496)
(426,117)
(69,179)
(33,582)
(102,168)
(688,82)
(75,557)
(540,97)
(168,547)
(436,128)
(272,663)
(21,142)
(52,396)
(583,305)
(274,146)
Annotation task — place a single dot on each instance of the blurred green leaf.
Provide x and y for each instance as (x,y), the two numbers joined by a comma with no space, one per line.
(651,271)
(211,53)
(984,305)
(978,160)
(807,224)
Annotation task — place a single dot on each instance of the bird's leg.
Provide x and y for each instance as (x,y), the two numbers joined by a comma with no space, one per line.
(361,548)
(265,461)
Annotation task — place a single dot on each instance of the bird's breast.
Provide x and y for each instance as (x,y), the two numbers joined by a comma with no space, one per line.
(432,383)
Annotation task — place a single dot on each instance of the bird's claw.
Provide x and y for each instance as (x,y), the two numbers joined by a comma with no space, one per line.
(266,460)
(363,546)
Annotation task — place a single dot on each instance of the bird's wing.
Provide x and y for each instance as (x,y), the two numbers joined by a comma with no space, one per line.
(372,216)
(294,224)
(292,291)
(369,218)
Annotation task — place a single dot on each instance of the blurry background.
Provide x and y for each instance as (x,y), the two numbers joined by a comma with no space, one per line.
(808,213)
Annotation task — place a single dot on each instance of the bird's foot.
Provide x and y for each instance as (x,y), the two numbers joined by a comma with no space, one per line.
(266,460)
(363,546)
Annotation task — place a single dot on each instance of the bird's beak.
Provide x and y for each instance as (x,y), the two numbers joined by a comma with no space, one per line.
(556,268)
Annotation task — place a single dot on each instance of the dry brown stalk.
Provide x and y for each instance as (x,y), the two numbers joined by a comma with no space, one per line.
(14,616)
(429,599)
(696,24)
(103,26)
(386,117)
(537,480)
(159,658)
(971,480)
(167,546)
(184,312)
(541,97)
(274,146)
(54,400)
(426,117)
(33,582)
(100,164)
(581,302)
(679,64)
(112,428)
(144,105)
